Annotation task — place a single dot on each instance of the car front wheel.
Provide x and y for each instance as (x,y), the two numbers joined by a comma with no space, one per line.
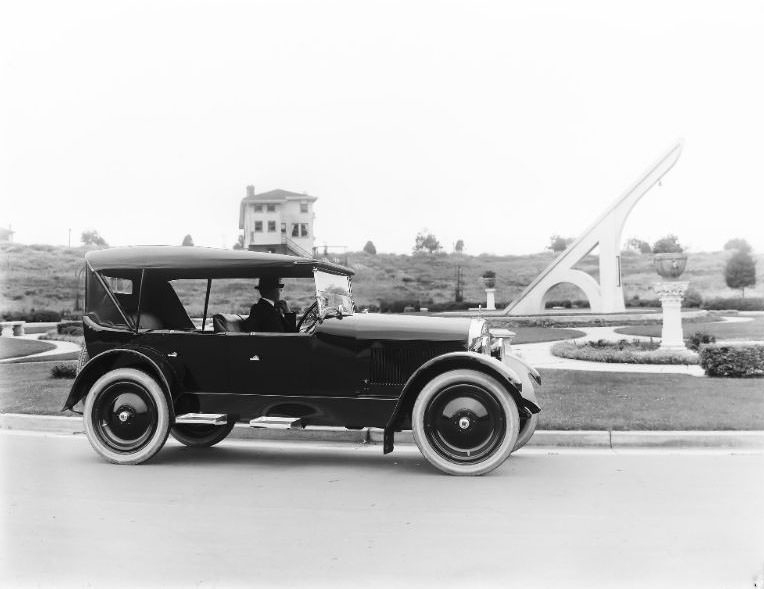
(465,422)
(126,415)
(200,435)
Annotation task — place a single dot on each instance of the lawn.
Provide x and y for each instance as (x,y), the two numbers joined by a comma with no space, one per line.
(29,388)
(14,346)
(746,330)
(533,335)
(572,399)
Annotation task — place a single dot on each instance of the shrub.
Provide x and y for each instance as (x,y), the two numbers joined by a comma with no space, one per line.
(69,328)
(635,301)
(692,299)
(698,339)
(737,303)
(736,360)
(64,370)
(634,352)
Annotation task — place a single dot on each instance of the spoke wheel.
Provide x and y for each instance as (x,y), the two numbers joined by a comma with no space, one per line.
(465,422)
(126,416)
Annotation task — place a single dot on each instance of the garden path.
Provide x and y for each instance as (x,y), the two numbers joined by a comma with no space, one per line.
(540,356)
(61,348)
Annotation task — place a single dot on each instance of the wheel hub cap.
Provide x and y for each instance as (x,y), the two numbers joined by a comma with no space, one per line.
(465,423)
(125,416)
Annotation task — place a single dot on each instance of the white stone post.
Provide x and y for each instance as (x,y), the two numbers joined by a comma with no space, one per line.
(670,295)
(490,300)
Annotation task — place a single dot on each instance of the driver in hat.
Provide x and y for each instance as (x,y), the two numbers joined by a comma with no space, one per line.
(270,313)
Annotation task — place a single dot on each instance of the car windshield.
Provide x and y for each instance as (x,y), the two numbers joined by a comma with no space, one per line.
(333,294)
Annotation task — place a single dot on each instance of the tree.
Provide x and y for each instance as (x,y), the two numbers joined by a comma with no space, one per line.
(459,246)
(370,249)
(740,271)
(639,246)
(92,237)
(559,244)
(239,245)
(738,244)
(426,242)
(188,240)
(668,244)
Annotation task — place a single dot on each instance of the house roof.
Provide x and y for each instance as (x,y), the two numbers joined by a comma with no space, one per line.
(272,196)
(202,262)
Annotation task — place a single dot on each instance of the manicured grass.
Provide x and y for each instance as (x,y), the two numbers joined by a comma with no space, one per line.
(30,388)
(533,335)
(572,399)
(11,347)
(748,330)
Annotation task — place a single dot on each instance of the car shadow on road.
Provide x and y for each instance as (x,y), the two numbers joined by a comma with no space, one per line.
(292,456)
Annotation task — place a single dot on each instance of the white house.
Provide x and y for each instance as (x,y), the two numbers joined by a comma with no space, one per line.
(278,221)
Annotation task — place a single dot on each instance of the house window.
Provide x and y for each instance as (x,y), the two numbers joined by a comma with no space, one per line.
(303,207)
(270,208)
(303,230)
(295,230)
(258,226)
(271,226)
(299,230)
(258,208)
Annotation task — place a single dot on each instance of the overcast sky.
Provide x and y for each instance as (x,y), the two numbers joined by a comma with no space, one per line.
(498,123)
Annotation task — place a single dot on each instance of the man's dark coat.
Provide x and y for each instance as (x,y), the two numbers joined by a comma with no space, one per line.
(265,317)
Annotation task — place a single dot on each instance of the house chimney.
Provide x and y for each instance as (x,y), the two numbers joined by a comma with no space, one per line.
(250,190)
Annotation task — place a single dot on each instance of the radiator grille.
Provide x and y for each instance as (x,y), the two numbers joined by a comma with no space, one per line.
(393,364)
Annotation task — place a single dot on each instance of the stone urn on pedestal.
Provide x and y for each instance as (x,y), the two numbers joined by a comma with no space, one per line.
(489,281)
(671,292)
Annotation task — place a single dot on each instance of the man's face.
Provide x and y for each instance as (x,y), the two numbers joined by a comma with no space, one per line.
(272,293)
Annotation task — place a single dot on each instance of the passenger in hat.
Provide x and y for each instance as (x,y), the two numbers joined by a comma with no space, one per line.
(270,313)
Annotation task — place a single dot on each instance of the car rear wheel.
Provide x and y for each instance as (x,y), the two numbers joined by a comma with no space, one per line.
(465,422)
(200,435)
(127,419)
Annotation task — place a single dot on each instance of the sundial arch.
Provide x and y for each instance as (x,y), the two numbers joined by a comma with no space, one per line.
(605,296)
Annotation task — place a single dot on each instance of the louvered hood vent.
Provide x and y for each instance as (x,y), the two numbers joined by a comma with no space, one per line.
(392,364)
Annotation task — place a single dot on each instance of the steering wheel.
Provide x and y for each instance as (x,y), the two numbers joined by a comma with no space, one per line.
(310,317)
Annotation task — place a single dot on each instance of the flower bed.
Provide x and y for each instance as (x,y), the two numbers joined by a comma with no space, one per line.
(623,351)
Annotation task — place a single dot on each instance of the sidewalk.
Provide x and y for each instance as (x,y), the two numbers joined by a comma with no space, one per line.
(584,439)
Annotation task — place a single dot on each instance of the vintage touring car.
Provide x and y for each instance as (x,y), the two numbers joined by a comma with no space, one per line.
(148,370)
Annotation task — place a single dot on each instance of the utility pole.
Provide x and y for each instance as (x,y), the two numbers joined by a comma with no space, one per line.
(458,294)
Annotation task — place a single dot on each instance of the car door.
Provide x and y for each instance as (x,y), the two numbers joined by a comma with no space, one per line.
(269,363)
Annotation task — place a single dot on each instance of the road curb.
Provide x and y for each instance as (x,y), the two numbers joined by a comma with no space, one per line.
(741,440)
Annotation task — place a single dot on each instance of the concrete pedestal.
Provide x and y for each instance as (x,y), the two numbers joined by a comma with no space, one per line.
(490,300)
(671,295)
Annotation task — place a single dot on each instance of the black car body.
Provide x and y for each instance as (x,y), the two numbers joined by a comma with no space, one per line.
(148,369)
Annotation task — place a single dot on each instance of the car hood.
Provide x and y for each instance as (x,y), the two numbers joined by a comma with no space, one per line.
(375,326)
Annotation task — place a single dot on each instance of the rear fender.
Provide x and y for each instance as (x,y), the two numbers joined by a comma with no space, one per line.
(502,372)
(143,359)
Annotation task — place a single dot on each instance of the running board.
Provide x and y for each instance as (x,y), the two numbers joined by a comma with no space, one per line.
(276,422)
(202,418)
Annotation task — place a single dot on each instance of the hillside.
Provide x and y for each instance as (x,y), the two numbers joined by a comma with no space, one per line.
(44,276)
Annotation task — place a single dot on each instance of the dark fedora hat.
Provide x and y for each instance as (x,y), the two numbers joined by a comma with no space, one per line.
(269,282)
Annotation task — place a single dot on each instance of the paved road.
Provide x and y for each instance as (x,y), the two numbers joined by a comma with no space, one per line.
(262,514)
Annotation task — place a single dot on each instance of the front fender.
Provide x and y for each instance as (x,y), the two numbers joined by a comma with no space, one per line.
(503,372)
(143,358)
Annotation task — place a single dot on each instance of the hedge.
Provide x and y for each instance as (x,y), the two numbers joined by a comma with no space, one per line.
(735,303)
(41,316)
(637,352)
(737,360)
